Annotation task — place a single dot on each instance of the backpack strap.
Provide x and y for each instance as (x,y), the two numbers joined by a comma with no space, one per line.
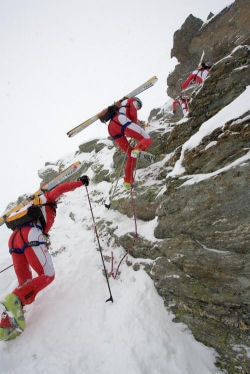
(52,205)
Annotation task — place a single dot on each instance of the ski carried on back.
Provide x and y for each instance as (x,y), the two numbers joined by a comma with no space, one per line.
(201,58)
(143,87)
(69,171)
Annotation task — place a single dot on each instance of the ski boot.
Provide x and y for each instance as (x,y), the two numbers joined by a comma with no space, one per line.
(12,318)
(142,155)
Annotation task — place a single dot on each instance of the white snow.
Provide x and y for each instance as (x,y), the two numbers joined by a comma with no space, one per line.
(72,329)
(210,145)
(196,178)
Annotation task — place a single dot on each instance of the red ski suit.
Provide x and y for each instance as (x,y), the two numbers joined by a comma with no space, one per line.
(183,104)
(36,257)
(197,76)
(124,125)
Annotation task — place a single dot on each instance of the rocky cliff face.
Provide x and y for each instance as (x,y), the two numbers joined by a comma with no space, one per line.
(205,226)
(199,257)
(217,37)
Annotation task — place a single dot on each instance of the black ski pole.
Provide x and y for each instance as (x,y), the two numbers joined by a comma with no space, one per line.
(100,249)
(1,271)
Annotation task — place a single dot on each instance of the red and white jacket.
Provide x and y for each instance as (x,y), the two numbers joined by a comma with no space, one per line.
(49,212)
(197,76)
(129,108)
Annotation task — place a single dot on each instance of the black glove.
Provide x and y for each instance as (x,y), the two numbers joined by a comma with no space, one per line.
(84,179)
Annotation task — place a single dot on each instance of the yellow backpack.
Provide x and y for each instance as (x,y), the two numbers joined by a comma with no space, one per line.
(31,212)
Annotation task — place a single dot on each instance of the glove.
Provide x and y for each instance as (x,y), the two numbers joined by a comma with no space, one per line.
(42,186)
(84,179)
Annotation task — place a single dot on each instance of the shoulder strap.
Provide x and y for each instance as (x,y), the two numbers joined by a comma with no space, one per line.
(53,206)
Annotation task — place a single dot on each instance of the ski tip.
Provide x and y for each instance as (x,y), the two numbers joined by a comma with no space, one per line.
(153,80)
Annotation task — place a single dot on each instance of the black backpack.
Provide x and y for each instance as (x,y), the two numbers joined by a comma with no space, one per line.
(28,214)
(109,113)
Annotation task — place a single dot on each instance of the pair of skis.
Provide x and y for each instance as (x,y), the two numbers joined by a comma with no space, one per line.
(68,172)
(143,87)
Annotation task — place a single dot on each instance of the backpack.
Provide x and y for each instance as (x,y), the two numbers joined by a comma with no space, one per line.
(109,113)
(29,213)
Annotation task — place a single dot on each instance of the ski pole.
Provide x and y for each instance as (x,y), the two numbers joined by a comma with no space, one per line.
(100,249)
(1,271)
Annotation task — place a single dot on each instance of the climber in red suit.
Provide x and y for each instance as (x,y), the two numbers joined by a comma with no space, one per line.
(183,102)
(197,76)
(29,249)
(125,125)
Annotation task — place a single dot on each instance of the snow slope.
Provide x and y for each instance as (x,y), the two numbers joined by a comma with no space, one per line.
(70,327)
